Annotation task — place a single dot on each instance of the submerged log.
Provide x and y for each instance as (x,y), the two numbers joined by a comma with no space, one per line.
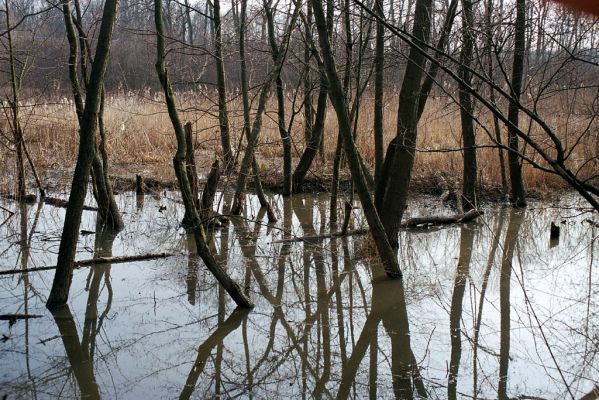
(94,261)
(411,223)
(441,220)
(13,317)
(56,202)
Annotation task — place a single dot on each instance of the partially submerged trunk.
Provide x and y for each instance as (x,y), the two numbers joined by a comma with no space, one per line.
(392,191)
(68,243)
(338,99)
(518,197)
(469,196)
(219,273)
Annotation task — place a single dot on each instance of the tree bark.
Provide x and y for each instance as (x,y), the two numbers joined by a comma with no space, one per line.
(68,243)
(469,171)
(339,101)
(397,169)
(257,125)
(223,115)
(285,138)
(219,273)
(245,94)
(518,197)
(379,76)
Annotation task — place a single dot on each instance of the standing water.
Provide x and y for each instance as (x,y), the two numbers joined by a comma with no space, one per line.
(488,309)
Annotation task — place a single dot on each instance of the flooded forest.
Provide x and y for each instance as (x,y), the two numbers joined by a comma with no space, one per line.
(299,199)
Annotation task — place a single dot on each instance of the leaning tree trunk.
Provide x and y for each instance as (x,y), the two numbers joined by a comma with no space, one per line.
(339,101)
(518,197)
(219,273)
(107,207)
(469,200)
(392,192)
(68,243)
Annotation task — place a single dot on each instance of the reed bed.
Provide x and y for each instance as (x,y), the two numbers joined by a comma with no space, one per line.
(141,140)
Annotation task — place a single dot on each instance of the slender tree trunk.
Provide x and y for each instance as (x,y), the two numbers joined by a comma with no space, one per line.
(308,108)
(245,94)
(433,69)
(518,197)
(14,105)
(315,137)
(103,193)
(219,273)
(257,126)
(469,196)
(497,129)
(285,138)
(339,101)
(223,115)
(379,76)
(68,243)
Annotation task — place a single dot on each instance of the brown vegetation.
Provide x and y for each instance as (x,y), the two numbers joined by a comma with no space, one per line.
(140,139)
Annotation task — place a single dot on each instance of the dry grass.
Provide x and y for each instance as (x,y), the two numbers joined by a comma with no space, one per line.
(141,138)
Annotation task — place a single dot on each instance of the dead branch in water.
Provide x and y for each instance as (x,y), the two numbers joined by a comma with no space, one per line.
(13,317)
(56,202)
(94,261)
(412,223)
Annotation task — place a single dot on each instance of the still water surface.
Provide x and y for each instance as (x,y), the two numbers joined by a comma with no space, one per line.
(488,309)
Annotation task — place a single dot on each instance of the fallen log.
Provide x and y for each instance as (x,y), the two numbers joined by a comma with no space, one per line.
(56,202)
(94,261)
(412,223)
(14,317)
(441,220)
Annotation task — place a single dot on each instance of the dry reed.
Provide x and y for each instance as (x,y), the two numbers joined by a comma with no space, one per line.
(140,138)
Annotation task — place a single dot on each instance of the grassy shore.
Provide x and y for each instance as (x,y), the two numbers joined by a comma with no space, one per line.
(141,140)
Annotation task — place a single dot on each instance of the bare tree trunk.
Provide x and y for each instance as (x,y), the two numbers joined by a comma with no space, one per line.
(245,94)
(223,115)
(518,197)
(433,69)
(379,77)
(219,273)
(338,99)
(68,243)
(107,207)
(391,194)
(469,197)
(14,105)
(257,126)
(497,129)
(285,138)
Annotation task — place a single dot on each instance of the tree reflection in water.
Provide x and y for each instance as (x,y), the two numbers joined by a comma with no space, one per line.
(327,323)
